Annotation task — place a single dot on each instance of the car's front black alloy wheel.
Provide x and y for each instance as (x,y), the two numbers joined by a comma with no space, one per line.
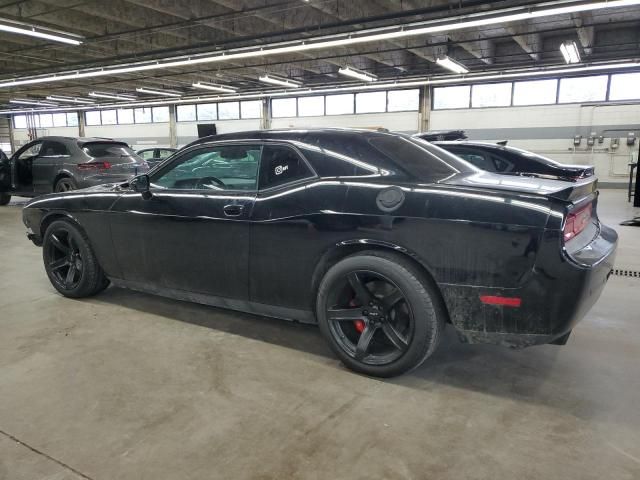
(70,262)
(380,312)
(64,258)
(370,318)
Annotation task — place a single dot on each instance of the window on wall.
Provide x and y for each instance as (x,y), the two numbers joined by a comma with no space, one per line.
(229,111)
(207,111)
(186,113)
(451,97)
(283,107)
(46,120)
(491,95)
(59,119)
(160,114)
(142,115)
(251,109)
(125,116)
(403,100)
(535,92)
(311,106)
(625,86)
(371,102)
(20,121)
(72,119)
(109,117)
(339,104)
(92,117)
(583,89)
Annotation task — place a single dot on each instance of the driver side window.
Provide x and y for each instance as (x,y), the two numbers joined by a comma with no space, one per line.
(229,167)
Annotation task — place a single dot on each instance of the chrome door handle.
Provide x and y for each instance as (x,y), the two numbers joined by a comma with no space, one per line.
(233,210)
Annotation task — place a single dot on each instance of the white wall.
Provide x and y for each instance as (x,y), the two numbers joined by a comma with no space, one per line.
(549,130)
(21,135)
(399,121)
(188,131)
(138,136)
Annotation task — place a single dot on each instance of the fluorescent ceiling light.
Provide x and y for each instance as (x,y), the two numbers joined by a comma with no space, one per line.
(359,74)
(39,32)
(383,85)
(450,64)
(284,82)
(164,93)
(20,101)
(570,52)
(57,98)
(113,96)
(460,22)
(214,86)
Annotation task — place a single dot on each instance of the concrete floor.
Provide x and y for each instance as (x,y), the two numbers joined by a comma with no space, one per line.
(130,386)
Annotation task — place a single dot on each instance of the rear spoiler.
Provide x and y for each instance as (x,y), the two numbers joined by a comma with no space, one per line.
(577,190)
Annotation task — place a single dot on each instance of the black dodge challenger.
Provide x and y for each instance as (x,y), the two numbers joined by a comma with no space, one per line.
(380,238)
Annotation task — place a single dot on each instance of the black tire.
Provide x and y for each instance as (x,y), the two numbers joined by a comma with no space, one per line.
(65,184)
(5,198)
(416,332)
(66,249)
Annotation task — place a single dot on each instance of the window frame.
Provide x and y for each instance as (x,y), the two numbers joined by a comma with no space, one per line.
(225,143)
(199,191)
(299,181)
(45,142)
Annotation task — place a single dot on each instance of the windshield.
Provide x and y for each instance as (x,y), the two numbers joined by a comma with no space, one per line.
(108,149)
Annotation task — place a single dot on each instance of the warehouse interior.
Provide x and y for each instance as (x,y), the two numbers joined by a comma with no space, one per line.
(130,385)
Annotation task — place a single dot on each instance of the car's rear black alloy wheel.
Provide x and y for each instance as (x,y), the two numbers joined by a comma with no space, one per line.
(64,259)
(65,185)
(370,318)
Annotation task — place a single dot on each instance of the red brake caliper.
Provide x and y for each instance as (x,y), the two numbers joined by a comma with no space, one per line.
(359,324)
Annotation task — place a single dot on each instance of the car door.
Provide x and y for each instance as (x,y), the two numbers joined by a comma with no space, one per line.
(282,234)
(22,166)
(46,165)
(192,234)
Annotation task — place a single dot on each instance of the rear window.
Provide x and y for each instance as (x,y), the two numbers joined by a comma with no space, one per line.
(418,158)
(107,149)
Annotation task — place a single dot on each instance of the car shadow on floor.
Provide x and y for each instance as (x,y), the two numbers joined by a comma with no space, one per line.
(532,375)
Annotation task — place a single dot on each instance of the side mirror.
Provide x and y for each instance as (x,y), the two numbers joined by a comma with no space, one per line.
(141,184)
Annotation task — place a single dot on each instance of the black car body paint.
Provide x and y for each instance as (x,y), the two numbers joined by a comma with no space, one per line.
(477,235)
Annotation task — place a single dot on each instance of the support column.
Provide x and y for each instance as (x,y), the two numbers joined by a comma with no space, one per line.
(80,124)
(425,109)
(265,121)
(173,127)
(12,138)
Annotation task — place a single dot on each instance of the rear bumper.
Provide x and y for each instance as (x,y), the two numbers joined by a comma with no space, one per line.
(560,291)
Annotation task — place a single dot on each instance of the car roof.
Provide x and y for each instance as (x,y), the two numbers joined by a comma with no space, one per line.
(471,143)
(79,140)
(293,134)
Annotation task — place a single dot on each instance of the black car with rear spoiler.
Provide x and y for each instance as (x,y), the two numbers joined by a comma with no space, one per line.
(507,160)
(379,238)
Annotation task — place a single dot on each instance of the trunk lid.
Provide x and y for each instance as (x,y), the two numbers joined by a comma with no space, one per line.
(558,189)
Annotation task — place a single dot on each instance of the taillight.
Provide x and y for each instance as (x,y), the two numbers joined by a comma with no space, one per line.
(577,221)
(94,166)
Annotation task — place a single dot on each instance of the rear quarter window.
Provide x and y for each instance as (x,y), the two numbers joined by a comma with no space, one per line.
(327,165)
(280,165)
(421,160)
